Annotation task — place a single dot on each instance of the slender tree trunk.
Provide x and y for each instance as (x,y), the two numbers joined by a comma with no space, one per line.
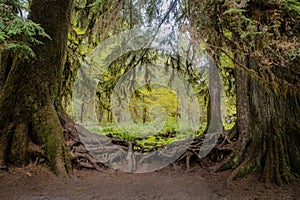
(30,98)
(214,115)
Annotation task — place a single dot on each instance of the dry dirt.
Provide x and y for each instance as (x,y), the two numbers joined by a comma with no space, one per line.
(38,183)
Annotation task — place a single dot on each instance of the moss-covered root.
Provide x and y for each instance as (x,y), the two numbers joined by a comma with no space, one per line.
(49,132)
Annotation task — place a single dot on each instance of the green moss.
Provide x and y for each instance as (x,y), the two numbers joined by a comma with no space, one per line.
(48,129)
(251,167)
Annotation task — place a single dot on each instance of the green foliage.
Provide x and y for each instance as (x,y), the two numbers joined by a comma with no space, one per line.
(293,6)
(145,100)
(268,31)
(16,7)
(18,34)
(168,134)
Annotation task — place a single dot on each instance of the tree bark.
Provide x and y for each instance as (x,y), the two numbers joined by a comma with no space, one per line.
(268,127)
(30,98)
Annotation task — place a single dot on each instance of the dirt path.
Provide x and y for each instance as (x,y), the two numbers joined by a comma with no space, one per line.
(37,183)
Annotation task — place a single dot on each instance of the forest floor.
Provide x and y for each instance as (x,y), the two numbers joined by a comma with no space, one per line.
(174,182)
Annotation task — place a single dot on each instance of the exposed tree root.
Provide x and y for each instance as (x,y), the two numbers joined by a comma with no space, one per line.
(234,151)
(249,158)
(80,156)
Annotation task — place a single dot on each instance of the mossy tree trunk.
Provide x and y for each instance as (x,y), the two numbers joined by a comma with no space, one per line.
(268,127)
(30,98)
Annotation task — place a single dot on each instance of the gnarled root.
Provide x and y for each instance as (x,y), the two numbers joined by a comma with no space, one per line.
(80,156)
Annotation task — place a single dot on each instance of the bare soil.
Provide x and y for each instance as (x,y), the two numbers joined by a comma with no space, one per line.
(174,182)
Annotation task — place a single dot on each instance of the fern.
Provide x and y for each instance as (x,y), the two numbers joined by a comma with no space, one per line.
(23,50)
(293,6)
(18,34)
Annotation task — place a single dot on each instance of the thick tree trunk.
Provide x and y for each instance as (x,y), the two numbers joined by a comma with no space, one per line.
(274,124)
(268,128)
(29,100)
